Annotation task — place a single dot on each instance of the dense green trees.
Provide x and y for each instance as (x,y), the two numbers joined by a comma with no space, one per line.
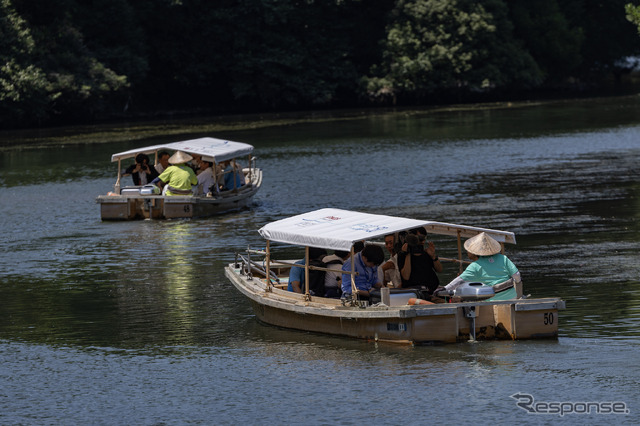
(435,46)
(23,86)
(72,60)
(633,14)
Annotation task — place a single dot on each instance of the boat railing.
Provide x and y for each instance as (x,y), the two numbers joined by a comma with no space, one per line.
(259,265)
(247,176)
(252,173)
(254,251)
(311,267)
(452,260)
(249,267)
(263,268)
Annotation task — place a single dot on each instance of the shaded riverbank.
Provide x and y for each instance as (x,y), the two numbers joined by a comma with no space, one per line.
(173,128)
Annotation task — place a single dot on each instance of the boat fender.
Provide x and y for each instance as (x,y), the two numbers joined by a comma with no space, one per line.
(416,301)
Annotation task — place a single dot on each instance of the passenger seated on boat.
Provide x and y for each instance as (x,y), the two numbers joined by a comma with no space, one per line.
(296,275)
(399,241)
(163,162)
(141,173)
(488,266)
(333,279)
(421,232)
(233,176)
(179,178)
(366,265)
(195,162)
(418,266)
(206,179)
(389,269)
(357,247)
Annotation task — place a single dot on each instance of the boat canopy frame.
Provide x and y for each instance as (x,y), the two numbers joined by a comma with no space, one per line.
(210,149)
(339,229)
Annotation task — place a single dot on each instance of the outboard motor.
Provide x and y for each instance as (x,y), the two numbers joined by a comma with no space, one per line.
(469,292)
(474,291)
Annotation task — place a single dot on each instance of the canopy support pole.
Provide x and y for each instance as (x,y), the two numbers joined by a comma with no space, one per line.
(307,297)
(116,187)
(235,175)
(459,250)
(268,259)
(352,274)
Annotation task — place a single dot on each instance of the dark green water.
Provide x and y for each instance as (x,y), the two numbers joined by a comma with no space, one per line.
(135,323)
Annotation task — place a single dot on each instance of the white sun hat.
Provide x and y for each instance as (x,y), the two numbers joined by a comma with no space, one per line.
(179,157)
(482,245)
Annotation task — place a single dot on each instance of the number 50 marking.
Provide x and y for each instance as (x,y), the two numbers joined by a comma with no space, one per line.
(548,318)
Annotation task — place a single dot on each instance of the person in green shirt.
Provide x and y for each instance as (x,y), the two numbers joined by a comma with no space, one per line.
(489,266)
(178,177)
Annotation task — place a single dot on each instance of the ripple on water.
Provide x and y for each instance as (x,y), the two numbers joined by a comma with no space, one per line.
(137,323)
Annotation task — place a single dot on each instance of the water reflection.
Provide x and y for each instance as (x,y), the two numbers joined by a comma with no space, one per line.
(139,321)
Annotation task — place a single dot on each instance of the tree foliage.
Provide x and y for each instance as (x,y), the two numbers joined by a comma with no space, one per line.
(633,14)
(442,45)
(71,60)
(549,37)
(23,86)
(50,66)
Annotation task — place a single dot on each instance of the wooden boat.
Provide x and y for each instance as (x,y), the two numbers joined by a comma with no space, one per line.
(392,320)
(138,202)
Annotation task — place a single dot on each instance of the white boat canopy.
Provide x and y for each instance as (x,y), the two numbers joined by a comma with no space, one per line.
(211,149)
(338,229)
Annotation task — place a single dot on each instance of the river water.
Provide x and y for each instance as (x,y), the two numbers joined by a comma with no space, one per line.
(135,323)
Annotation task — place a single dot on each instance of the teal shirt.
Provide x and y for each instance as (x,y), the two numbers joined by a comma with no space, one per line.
(490,270)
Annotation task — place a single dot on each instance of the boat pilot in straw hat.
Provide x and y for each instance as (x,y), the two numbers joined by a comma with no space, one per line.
(178,177)
(489,266)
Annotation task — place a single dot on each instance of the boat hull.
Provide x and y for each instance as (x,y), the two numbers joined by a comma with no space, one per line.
(136,206)
(418,324)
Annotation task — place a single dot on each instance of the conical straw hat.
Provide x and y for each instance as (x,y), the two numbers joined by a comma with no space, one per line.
(482,245)
(179,157)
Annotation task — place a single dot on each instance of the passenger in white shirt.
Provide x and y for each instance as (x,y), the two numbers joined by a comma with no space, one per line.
(389,270)
(206,179)
(333,279)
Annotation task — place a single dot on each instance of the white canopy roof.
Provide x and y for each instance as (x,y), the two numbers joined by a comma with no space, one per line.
(338,229)
(211,149)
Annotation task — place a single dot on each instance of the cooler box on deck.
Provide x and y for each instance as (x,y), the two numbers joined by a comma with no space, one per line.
(398,296)
(130,190)
(150,190)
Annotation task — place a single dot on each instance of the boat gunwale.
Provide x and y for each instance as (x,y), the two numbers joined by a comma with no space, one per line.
(243,192)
